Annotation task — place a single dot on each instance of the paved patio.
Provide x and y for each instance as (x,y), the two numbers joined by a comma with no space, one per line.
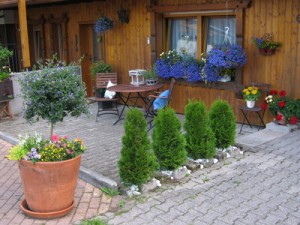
(262,188)
(102,138)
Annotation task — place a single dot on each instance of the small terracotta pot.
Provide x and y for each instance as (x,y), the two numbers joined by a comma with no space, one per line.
(49,186)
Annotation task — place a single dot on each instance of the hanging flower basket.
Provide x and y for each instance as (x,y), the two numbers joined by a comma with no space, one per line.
(103,24)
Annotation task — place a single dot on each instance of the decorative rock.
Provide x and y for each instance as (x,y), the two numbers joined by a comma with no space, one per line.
(215,161)
(191,165)
(220,156)
(180,173)
(151,185)
(134,190)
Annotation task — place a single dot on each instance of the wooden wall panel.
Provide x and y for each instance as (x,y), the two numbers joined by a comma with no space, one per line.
(127,48)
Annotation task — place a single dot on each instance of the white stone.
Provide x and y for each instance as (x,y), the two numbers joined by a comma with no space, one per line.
(215,161)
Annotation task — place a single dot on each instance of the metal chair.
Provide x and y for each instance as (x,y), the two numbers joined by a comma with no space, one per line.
(158,101)
(256,110)
(101,84)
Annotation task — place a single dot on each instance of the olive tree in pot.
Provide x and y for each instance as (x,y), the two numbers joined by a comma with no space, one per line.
(49,167)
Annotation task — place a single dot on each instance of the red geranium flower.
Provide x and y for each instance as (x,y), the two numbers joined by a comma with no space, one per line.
(264,106)
(282,93)
(273,92)
(293,120)
(281,104)
(279,117)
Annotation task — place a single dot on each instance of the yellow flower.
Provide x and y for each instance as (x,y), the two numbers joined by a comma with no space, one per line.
(248,93)
(254,92)
(249,88)
(245,90)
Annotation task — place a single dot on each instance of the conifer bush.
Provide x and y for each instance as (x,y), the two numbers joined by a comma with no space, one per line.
(199,135)
(168,140)
(138,162)
(222,123)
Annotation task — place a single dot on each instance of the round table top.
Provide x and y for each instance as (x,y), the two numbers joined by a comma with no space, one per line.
(127,88)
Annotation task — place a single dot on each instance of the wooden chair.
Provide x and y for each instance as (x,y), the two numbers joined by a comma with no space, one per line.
(151,110)
(256,110)
(105,105)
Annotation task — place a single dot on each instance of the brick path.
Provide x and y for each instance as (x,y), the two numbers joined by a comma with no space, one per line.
(89,201)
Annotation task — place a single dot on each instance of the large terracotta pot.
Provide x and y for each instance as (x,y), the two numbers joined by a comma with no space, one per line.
(49,186)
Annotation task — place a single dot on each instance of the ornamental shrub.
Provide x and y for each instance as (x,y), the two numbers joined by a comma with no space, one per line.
(168,141)
(138,162)
(222,123)
(199,135)
(53,92)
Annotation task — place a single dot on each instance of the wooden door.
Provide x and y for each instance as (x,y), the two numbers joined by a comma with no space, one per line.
(92,48)
(86,51)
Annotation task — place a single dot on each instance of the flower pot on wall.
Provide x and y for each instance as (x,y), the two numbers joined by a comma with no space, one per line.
(267,51)
(49,187)
(250,104)
(225,78)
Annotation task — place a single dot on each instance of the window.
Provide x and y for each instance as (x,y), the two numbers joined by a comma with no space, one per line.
(182,33)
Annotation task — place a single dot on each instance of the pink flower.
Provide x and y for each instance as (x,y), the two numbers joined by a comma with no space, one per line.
(65,137)
(55,137)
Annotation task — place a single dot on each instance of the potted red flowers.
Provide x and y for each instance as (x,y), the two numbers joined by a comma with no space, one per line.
(285,110)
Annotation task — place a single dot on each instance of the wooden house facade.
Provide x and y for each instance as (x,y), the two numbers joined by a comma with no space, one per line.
(66,28)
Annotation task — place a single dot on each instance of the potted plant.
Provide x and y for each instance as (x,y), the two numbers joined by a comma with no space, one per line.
(6,87)
(49,167)
(222,62)
(99,69)
(266,44)
(285,110)
(251,94)
(151,77)
(103,24)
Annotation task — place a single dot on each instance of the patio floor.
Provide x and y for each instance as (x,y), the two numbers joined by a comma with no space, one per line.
(102,138)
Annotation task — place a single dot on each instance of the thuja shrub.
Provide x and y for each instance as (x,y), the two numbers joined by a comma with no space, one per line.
(201,141)
(138,162)
(222,123)
(168,140)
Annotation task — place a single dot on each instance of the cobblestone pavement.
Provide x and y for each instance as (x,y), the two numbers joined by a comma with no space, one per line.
(261,188)
(102,138)
(89,201)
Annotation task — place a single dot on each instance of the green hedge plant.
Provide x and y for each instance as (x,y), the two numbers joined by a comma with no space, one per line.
(199,135)
(53,92)
(138,162)
(168,140)
(222,123)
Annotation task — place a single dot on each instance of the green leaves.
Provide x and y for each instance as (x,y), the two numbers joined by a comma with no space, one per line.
(52,93)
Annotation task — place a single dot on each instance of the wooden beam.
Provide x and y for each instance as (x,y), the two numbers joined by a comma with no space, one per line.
(238,4)
(24,33)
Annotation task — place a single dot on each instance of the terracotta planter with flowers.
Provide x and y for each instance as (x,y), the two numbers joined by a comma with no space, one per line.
(285,110)
(49,187)
(49,168)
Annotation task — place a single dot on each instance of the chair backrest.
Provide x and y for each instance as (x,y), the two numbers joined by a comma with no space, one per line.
(103,78)
(171,89)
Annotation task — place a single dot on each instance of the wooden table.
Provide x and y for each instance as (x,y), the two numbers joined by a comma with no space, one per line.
(129,89)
